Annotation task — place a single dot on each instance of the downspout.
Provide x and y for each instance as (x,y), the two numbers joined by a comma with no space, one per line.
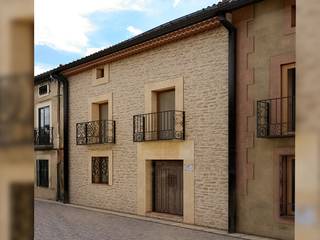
(59,139)
(65,84)
(231,123)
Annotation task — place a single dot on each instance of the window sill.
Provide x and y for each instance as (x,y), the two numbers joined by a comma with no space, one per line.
(286,219)
(99,81)
(42,187)
(101,184)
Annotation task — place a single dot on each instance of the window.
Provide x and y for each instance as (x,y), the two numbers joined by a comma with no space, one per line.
(293,15)
(100,170)
(99,72)
(103,111)
(100,75)
(43,90)
(103,123)
(166,114)
(44,117)
(288,94)
(287,186)
(44,126)
(42,173)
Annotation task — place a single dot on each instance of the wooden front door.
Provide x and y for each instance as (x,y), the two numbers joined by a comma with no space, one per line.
(168,187)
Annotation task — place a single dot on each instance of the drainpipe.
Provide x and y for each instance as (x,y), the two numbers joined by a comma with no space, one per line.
(231,124)
(58,138)
(60,78)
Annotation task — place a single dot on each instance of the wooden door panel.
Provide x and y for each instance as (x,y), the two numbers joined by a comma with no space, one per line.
(168,187)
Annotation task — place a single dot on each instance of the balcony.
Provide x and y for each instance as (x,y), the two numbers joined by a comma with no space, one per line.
(43,138)
(159,126)
(276,117)
(95,132)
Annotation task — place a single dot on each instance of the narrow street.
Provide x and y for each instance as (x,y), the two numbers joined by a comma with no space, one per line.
(59,222)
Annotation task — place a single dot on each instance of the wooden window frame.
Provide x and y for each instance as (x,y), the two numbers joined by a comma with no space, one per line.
(289,103)
(165,118)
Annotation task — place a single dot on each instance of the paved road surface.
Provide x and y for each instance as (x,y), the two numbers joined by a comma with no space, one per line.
(58,222)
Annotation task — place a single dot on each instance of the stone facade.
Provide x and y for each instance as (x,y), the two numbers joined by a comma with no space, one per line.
(202,62)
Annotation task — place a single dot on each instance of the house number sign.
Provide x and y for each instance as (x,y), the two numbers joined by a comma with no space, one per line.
(188,168)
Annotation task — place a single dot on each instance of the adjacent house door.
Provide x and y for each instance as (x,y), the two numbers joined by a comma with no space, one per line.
(168,187)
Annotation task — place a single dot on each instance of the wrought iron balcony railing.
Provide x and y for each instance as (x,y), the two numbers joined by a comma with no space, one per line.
(276,117)
(43,137)
(95,132)
(159,126)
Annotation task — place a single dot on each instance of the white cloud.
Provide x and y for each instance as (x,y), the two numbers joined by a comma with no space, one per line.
(176,2)
(41,68)
(65,24)
(91,50)
(134,31)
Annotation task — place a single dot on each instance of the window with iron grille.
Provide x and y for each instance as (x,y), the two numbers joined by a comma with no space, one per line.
(43,90)
(42,173)
(287,186)
(100,170)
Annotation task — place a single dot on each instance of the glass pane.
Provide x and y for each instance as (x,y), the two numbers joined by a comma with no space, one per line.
(44,117)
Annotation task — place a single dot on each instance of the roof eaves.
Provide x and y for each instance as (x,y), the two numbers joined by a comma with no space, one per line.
(198,16)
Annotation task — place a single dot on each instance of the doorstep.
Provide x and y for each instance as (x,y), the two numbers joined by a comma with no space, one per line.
(162,220)
(165,216)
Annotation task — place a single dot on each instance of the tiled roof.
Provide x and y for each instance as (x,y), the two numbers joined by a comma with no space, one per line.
(198,16)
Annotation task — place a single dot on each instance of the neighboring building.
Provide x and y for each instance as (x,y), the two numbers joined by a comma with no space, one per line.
(160,126)
(266,118)
(16,152)
(48,140)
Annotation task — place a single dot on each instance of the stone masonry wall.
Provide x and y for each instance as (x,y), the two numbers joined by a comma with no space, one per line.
(203,62)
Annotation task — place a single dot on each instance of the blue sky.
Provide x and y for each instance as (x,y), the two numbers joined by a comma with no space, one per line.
(66,30)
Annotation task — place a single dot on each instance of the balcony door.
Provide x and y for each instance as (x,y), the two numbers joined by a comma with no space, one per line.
(44,125)
(166,114)
(103,126)
(288,94)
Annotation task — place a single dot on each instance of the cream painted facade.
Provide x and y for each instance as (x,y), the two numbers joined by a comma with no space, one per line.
(53,154)
(197,68)
(266,43)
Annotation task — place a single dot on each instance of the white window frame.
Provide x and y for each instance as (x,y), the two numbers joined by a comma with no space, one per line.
(36,115)
(48,158)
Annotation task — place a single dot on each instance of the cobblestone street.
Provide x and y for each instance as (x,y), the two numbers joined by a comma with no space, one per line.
(59,222)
